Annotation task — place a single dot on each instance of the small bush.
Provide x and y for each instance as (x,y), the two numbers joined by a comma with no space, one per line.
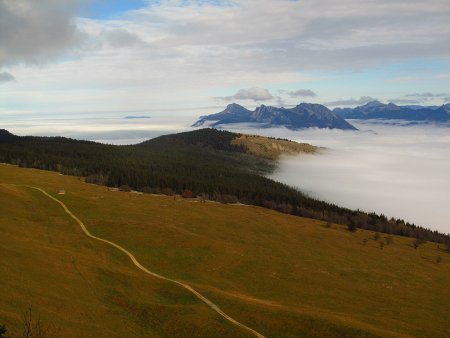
(229,199)
(438,260)
(167,191)
(97,179)
(125,188)
(269,204)
(3,331)
(418,242)
(147,190)
(157,191)
(187,194)
(351,227)
(376,236)
(285,208)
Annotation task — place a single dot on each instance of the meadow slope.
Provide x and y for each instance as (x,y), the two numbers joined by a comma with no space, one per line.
(282,275)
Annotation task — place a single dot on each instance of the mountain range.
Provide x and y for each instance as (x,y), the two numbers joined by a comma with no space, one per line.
(304,115)
(310,115)
(390,111)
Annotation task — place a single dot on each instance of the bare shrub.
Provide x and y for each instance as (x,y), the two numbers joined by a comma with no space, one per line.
(229,199)
(269,204)
(418,242)
(187,194)
(167,191)
(34,327)
(285,208)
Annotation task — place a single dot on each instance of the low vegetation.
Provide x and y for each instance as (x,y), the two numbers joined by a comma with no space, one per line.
(282,275)
(272,148)
(76,286)
(3,331)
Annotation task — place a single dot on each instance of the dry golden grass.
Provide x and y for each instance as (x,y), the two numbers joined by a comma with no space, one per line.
(273,148)
(83,288)
(284,276)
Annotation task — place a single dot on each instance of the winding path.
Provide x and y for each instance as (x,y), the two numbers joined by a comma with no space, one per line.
(141,267)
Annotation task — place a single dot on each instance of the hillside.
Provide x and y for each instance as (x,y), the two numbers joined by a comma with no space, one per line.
(272,148)
(282,275)
(304,115)
(217,165)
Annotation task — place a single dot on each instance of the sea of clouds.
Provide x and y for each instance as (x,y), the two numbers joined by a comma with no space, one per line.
(110,128)
(401,171)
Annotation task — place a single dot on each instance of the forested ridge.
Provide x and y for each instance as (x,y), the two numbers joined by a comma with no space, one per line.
(202,162)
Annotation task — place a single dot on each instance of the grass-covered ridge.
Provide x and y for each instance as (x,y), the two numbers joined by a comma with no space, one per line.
(282,275)
(272,148)
(218,165)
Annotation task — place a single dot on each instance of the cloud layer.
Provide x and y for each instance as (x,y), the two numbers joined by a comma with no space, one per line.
(254,94)
(6,77)
(350,102)
(35,31)
(185,53)
(302,93)
(402,172)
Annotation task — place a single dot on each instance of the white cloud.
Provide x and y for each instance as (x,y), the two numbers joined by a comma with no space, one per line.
(120,38)
(6,77)
(350,102)
(255,94)
(302,93)
(403,101)
(309,34)
(402,79)
(35,31)
(442,76)
(428,95)
(178,52)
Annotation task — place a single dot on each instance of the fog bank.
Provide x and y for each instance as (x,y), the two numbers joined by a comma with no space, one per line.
(112,128)
(403,172)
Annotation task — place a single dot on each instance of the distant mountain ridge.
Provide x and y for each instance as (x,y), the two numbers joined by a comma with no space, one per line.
(391,111)
(304,115)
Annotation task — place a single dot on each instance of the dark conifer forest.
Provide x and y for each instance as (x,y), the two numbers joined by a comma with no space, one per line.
(203,162)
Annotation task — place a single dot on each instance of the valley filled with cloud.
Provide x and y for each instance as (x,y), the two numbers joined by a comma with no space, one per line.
(402,172)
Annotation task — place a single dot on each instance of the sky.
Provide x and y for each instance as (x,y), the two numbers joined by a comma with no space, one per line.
(192,57)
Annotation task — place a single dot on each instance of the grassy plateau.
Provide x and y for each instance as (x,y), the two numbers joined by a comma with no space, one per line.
(282,275)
